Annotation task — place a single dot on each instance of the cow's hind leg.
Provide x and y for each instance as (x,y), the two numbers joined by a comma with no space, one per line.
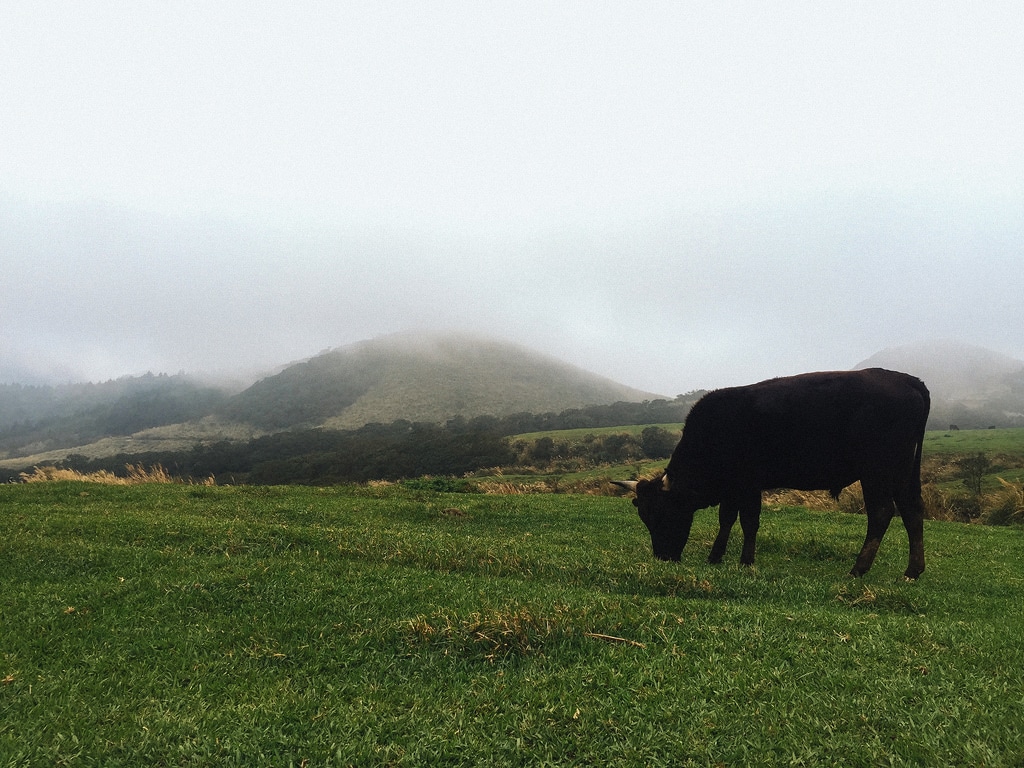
(911,508)
(726,518)
(750,521)
(880,508)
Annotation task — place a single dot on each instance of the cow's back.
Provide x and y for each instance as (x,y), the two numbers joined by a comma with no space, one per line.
(812,431)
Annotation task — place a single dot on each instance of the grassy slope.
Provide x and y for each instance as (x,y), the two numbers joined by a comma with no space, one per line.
(420,377)
(189,625)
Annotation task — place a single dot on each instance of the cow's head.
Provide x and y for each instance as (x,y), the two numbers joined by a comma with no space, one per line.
(665,513)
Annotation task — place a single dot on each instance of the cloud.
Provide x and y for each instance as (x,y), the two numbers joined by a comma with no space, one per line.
(695,301)
(674,195)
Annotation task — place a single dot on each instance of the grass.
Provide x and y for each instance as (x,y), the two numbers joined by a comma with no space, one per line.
(968,441)
(195,625)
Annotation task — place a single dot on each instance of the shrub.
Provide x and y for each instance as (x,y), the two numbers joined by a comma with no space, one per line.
(972,471)
(658,443)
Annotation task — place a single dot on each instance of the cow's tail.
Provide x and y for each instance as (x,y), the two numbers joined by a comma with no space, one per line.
(915,486)
(926,402)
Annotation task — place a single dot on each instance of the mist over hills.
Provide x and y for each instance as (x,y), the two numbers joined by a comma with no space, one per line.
(971,386)
(428,378)
(40,418)
(952,370)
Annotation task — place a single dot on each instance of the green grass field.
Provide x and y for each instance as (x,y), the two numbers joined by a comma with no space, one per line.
(966,441)
(179,625)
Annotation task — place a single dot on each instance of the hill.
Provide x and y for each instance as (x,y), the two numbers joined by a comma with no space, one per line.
(420,377)
(971,386)
(413,377)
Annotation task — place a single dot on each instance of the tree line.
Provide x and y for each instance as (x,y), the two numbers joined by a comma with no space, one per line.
(405,449)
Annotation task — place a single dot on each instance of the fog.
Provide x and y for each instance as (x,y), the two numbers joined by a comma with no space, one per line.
(674,195)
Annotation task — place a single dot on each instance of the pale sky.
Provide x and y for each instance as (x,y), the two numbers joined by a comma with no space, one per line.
(677,195)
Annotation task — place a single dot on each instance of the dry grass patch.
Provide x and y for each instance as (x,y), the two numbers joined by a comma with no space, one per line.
(494,634)
(135,474)
(851,500)
(1006,506)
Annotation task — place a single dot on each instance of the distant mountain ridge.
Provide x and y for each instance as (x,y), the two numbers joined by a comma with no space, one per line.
(952,370)
(971,386)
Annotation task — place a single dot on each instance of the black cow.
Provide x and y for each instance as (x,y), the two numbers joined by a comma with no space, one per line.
(816,431)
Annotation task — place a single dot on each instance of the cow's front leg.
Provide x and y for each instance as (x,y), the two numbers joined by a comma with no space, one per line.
(726,517)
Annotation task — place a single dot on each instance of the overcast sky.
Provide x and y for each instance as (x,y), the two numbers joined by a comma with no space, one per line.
(677,195)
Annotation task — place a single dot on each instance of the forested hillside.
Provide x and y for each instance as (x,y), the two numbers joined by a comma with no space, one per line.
(405,449)
(34,419)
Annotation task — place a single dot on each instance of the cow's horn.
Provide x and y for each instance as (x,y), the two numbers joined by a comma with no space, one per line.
(629,485)
(665,484)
